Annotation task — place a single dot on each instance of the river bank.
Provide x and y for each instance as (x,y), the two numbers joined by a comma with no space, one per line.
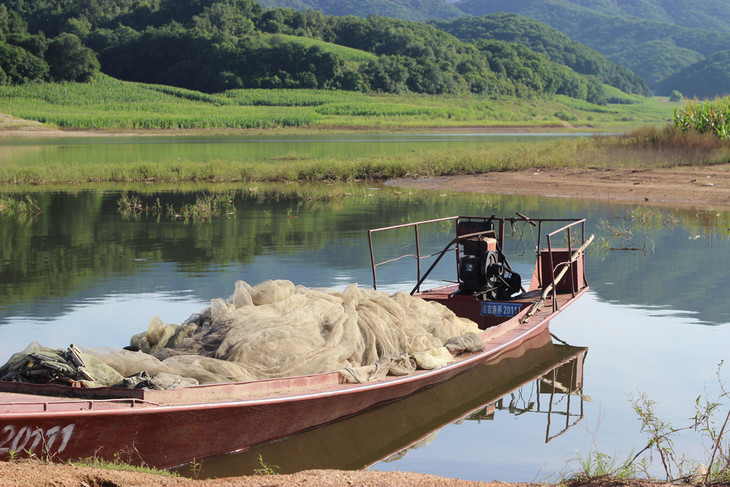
(706,187)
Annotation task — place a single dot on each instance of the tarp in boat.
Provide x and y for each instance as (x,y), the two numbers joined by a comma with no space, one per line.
(274,329)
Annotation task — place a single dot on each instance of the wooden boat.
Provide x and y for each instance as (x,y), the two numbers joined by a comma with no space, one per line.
(554,369)
(173,427)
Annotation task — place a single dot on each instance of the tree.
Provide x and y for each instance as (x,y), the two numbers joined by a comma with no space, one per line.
(69,60)
(19,66)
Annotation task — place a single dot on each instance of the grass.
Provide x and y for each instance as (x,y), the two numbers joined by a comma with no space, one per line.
(508,156)
(110,104)
(118,464)
(206,207)
(347,54)
(107,103)
(661,147)
(648,147)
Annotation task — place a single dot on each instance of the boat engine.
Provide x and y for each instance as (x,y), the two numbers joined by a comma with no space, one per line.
(483,270)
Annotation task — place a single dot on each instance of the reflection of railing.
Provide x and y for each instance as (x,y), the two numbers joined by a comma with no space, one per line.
(555,383)
(467,227)
(561,384)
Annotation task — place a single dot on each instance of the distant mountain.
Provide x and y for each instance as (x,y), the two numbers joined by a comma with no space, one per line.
(417,10)
(704,79)
(701,14)
(654,38)
(546,40)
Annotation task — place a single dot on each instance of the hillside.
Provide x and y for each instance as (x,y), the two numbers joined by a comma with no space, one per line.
(702,14)
(543,39)
(704,79)
(654,38)
(418,10)
(218,45)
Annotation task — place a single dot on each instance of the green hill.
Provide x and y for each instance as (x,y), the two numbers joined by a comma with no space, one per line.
(418,10)
(655,39)
(544,39)
(701,14)
(218,45)
(705,79)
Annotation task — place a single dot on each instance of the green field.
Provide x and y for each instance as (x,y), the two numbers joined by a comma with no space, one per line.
(111,104)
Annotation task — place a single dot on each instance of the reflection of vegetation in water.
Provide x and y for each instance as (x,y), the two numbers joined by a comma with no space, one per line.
(205,207)
(636,232)
(80,237)
(10,206)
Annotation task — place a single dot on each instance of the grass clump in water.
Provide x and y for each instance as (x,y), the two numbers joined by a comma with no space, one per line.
(206,207)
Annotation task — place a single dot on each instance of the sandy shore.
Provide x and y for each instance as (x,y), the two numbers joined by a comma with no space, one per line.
(686,187)
(31,473)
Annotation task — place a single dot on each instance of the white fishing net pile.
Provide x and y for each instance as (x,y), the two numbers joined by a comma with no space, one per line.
(277,329)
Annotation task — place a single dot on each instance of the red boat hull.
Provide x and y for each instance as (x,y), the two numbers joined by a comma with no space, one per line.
(169,434)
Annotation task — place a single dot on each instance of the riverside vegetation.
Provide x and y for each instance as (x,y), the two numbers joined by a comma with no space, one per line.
(709,422)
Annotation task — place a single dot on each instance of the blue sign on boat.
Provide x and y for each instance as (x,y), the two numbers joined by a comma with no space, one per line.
(500,309)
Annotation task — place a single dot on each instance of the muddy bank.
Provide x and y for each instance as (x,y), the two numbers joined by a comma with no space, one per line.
(706,187)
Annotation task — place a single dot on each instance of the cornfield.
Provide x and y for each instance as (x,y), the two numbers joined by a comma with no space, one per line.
(705,117)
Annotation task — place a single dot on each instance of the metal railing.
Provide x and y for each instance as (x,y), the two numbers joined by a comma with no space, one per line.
(568,229)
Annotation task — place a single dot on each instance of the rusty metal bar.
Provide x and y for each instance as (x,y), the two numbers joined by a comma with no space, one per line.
(418,257)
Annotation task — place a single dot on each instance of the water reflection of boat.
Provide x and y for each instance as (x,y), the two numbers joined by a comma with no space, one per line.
(553,394)
(172,427)
(390,430)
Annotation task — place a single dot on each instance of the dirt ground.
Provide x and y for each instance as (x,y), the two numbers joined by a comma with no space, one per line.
(686,187)
(32,473)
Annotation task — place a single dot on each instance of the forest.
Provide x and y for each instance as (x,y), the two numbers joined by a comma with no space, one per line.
(218,45)
(667,43)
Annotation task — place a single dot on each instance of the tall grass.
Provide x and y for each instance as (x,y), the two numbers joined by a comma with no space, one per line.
(661,147)
(705,117)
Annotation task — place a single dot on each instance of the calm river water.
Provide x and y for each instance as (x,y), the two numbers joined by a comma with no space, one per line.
(656,320)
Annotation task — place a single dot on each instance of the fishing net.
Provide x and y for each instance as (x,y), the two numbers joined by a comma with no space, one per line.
(274,329)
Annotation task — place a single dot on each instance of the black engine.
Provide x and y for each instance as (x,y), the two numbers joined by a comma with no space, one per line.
(484,271)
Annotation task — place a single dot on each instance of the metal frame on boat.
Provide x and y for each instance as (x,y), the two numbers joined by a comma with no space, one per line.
(173,427)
